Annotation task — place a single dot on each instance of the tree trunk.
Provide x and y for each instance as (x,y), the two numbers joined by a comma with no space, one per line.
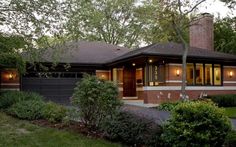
(183,95)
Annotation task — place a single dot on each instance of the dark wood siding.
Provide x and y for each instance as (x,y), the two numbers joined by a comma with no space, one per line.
(54,86)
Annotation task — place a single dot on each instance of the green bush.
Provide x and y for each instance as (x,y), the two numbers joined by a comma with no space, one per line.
(196,124)
(30,109)
(167,106)
(228,100)
(131,129)
(9,98)
(54,112)
(96,99)
(230,140)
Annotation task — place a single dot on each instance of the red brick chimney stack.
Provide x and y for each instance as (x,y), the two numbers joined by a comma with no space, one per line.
(201,32)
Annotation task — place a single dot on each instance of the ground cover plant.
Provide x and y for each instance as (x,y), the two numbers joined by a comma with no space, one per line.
(30,109)
(131,129)
(8,98)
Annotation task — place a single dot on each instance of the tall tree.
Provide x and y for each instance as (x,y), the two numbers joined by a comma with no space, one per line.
(230,3)
(225,35)
(29,20)
(175,12)
(112,21)
(156,29)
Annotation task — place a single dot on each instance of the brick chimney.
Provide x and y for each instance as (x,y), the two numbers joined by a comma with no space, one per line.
(201,32)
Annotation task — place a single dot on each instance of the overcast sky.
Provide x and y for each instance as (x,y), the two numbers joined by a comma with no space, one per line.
(216,7)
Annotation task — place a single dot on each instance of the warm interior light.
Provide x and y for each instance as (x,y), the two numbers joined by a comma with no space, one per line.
(10,76)
(177,72)
(103,76)
(133,64)
(230,74)
(150,61)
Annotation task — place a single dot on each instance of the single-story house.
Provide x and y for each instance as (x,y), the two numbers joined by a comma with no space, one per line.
(151,73)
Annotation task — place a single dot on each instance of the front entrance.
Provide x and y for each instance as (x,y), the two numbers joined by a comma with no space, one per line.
(129,82)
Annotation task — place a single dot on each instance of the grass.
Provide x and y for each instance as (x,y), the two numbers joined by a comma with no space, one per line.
(230,112)
(14,132)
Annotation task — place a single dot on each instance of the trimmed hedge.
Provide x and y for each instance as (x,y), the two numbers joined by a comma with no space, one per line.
(8,98)
(228,100)
(30,109)
(132,130)
(196,124)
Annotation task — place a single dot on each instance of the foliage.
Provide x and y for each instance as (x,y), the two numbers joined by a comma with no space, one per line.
(196,124)
(96,99)
(230,3)
(9,98)
(131,129)
(157,23)
(230,140)
(30,109)
(225,35)
(112,21)
(19,133)
(226,100)
(54,112)
(167,106)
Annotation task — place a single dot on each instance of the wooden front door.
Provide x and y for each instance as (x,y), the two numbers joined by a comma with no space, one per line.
(129,82)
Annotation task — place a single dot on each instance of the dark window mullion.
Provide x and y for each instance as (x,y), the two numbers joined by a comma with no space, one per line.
(213,75)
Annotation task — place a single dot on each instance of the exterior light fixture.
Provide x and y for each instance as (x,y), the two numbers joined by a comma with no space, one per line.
(231,74)
(177,72)
(103,76)
(150,60)
(10,76)
(133,64)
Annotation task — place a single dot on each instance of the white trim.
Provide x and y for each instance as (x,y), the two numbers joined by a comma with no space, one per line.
(229,82)
(147,88)
(102,70)
(174,64)
(18,89)
(137,89)
(229,66)
(10,84)
(130,98)
(173,81)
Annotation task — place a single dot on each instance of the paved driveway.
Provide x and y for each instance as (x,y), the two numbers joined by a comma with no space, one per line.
(157,116)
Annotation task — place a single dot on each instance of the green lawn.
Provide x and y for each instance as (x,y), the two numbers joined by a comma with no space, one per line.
(14,132)
(230,112)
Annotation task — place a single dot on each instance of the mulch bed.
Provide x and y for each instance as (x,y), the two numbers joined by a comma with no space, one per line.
(73,126)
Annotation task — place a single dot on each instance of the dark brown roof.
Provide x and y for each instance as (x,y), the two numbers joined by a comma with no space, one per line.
(175,50)
(84,52)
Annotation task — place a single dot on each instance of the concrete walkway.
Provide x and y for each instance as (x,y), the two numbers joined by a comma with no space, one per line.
(157,116)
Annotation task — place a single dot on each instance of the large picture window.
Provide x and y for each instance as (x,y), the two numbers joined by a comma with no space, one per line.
(204,74)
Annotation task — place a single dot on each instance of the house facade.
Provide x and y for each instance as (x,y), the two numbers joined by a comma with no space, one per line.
(152,73)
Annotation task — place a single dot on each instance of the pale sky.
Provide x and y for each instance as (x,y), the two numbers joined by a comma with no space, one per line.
(216,7)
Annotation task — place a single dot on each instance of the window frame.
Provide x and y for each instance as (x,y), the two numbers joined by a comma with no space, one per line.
(204,68)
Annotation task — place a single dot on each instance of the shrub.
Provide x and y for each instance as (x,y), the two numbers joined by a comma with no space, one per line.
(196,124)
(228,100)
(54,112)
(9,98)
(167,106)
(131,129)
(30,109)
(96,99)
(230,140)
